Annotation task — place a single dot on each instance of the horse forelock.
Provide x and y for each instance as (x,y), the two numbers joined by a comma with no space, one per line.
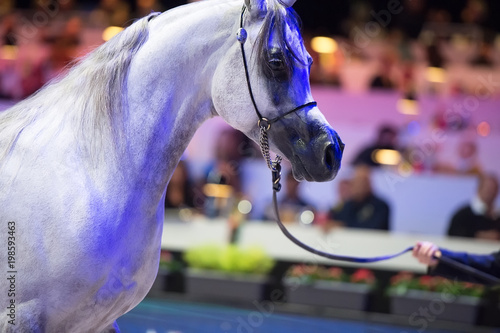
(91,96)
(277,19)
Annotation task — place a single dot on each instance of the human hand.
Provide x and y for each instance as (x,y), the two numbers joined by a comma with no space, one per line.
(425,253)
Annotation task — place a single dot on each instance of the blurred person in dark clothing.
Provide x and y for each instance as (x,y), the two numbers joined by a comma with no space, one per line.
(386,139)
(291,204)
(363,209)
(180,189)
(226,171)
(477,219)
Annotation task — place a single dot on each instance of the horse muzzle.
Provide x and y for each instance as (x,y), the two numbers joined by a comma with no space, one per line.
(321,160)
(314,150)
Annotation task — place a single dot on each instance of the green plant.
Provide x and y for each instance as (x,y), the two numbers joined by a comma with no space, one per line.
(167,262)
(229,258)
(404,281)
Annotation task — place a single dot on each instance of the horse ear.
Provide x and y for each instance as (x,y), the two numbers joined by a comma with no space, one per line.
(257,8)
(287,3)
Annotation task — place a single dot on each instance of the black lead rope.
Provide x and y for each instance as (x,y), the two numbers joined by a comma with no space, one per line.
(265,125)
(480,275)
(276,188)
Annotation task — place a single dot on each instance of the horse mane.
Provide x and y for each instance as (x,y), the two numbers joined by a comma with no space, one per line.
(276,19)
(90,95)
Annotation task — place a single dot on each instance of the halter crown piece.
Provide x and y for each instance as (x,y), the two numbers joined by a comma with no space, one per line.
(264,125)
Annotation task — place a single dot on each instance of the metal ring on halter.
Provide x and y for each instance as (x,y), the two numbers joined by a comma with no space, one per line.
(264,123)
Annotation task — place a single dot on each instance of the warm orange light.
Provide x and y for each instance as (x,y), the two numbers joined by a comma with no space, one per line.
(217,190)
(110,32)
(322,44)
(483,129)
(386,156)
(407,106)
(436,75)
(9,52)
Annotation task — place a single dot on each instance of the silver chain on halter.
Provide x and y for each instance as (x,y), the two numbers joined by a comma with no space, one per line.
(264,148)
(274,166)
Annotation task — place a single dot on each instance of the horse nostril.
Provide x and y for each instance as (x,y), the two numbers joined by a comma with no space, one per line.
(330,156)
(340,143)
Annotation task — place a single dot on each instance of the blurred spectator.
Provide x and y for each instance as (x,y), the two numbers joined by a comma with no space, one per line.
(477,220)
(7,29)
(363,209)
(225,170)
(62,39)
(180,189)
(344,194)
(467,161)
(111,13)
(410,19)
(9,79)
(291,205)
(5,7)
(485,56)
(384,76)
(386,139)
(145,7)
(475,12)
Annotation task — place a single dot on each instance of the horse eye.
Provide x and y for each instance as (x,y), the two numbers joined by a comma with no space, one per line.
(276,64)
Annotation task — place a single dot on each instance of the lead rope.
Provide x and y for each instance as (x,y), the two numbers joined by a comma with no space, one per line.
(276,178)
(275,166)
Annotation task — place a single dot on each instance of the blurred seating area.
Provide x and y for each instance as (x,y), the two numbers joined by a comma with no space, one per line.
(414,47)
(426,72)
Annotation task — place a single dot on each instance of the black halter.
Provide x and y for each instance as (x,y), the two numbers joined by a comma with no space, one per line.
(264,125)
(263,121)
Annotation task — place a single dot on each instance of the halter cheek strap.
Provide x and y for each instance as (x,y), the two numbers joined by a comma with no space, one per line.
(264,125)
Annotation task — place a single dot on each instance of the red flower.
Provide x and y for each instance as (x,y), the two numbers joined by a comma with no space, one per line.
(165,256)
(427,282)
(297,271)
(363,275)
(335,273)
(401,277)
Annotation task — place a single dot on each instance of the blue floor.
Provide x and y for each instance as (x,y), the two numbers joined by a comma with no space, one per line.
(155,316)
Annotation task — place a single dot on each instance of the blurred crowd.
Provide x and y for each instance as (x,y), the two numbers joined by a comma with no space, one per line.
(38,39)
(399,38)
(220,193)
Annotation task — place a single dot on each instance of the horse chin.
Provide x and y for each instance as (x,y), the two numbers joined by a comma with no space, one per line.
(315,172)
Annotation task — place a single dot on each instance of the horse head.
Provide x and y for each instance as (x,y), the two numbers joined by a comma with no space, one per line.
(265,76)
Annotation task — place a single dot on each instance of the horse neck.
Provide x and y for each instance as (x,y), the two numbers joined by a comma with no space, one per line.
(169,86)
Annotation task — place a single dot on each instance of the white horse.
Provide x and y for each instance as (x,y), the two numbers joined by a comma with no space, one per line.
(84,163)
